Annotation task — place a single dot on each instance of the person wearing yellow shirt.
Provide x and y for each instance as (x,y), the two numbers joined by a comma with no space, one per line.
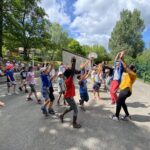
(125,90)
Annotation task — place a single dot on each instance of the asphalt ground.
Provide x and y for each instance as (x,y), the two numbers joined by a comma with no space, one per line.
(23,126)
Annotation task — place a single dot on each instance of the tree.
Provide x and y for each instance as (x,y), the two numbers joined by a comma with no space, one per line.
(127,34)
(99,50)
(75,47)
(27,26)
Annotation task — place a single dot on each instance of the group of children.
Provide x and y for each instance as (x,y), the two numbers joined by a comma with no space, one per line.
(66,87)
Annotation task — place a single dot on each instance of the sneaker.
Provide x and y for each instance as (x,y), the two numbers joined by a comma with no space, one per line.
(29,99)
(51,111)
(16,93)
(44,111)
(82,108)
(39,101)
(20,88)
(126,118)
(26,91)
(77,126)
(113,117)
(9,94)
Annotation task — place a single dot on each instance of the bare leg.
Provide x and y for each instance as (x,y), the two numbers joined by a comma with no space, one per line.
(94,93)
(58,101)
(14,88)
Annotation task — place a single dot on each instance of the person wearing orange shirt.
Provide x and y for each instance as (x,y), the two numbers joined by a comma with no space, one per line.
(125,90)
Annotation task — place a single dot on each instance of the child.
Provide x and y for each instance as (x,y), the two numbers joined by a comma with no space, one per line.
(61,87)
(125,90)
(117,74)
(10,79)
(31,82)
(97,82)
(23,75)
(70,93)
(83,89)
(46,84)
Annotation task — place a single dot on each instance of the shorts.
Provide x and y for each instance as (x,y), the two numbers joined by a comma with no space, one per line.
(61,92)
(51,95)
(32,86)
(84,97)
(96,86)
(24,82)
(45,93)
(9,84)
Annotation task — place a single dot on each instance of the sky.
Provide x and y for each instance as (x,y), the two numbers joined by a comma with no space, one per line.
(92,21)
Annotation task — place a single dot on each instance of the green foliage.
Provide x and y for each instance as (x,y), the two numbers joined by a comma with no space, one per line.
(143,64)
(75,47)
(127,34)
(100,50)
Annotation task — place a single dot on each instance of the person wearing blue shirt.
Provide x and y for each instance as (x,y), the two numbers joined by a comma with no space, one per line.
(83,88)
(46,86)
(116,79)
(10,79)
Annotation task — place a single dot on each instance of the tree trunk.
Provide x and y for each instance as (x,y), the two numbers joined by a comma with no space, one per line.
(1,27)
(25,54)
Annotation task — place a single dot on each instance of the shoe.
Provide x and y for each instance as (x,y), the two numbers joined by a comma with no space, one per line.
(61,118)
(20,88)
(39,101)
(77,126)
(16,93)
(126,118)
(29,99)
(9,94)
(44,111)
(26,91)
(113,117)
(82,108)
(51,111)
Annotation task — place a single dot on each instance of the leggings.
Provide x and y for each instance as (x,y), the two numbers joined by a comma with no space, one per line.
(124,94)
(72,105)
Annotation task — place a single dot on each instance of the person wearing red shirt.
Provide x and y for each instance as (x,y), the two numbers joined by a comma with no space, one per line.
(70,93)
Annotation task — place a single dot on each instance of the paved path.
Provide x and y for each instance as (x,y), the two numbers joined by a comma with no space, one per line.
(23,127)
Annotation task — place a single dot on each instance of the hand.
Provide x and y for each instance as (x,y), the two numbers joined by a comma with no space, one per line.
(122,54)
(73,59)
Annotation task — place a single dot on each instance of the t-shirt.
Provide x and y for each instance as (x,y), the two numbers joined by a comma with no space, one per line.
(128,81)
(83,87)
(62,68)
(61,84)
(45,80)
(70,88)
(10,74)
(97,78)
(31,78)
(23,74)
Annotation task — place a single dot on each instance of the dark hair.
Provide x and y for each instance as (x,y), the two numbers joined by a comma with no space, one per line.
(133,68)
(68,73)
(30,68)
(78,77)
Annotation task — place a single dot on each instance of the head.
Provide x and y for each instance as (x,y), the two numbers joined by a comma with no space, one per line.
(60,74)
(30,69)
(43,70)
(132,68)
(68,73)
(78,77)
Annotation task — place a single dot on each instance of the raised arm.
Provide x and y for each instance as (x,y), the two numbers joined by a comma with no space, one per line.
(73,65)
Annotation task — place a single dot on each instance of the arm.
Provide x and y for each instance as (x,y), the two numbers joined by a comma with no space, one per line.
(73,64)
(117,56)
(126,67)
(85,64)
